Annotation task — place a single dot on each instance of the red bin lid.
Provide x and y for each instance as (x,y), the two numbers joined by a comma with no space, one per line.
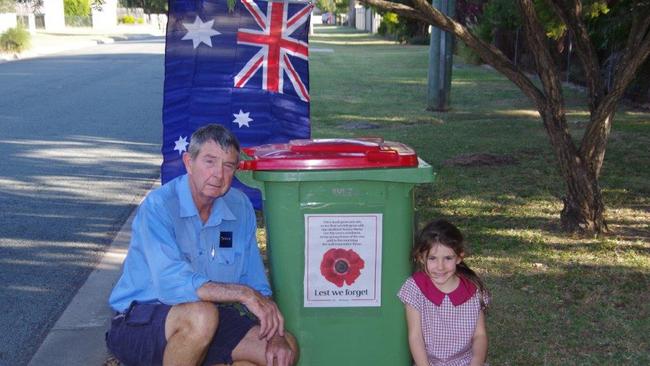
(326,154)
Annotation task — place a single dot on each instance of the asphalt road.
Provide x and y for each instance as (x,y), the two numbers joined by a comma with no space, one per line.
(79,147)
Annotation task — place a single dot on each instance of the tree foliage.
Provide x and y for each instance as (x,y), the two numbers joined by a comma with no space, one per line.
(76,7)
(333,6)
(15,40)
(403,29)
(579,163)
(7,6)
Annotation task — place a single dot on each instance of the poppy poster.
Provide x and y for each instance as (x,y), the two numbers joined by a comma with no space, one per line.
(342,260)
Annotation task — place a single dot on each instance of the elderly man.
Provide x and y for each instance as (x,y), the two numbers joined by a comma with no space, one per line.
(193,289)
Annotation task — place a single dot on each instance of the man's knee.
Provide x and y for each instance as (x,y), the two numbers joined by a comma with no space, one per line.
(197,320)
(293,344)
(252,349)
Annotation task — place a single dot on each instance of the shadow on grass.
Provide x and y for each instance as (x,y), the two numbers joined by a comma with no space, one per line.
(569,314)
(565,300)
(527,233)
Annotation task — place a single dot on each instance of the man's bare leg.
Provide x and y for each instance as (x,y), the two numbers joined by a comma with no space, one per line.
(251,350)
(189,329)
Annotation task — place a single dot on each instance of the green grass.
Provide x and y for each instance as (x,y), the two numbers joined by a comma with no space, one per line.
(558,300)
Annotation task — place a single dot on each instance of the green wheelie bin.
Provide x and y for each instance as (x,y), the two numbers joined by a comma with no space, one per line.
(339,217)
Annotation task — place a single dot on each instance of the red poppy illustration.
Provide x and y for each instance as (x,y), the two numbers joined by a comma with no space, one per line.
(340,265)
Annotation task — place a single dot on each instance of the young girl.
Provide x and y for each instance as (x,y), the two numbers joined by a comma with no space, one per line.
(445,301)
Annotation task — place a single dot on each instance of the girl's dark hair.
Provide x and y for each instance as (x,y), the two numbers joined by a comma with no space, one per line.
(445,233)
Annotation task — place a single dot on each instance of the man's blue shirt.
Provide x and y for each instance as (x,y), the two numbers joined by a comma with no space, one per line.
(173,253)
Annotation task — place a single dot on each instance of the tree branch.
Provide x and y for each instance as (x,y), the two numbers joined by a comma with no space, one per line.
(633,53)
(571,16)
(638,31)
(546,68)
(422,10)
(594,141)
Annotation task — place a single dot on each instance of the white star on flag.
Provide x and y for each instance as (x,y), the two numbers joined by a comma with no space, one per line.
(200,32)
(181,144)
(242,118)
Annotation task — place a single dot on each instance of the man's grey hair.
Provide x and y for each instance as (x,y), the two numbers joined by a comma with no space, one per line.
(212,132)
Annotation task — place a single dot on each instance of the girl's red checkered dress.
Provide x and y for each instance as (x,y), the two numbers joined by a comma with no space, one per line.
(447,328)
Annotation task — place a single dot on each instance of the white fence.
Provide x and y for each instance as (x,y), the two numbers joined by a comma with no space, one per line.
(366,19)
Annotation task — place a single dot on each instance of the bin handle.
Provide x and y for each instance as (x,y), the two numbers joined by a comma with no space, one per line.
(370,148)
(337,145)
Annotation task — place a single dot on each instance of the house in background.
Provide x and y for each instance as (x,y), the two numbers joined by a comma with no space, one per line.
(48,16)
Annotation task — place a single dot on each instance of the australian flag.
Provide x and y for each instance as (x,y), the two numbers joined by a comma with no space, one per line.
(245,68)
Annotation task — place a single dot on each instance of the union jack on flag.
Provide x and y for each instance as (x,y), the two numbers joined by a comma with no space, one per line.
(247,69)
(276,44)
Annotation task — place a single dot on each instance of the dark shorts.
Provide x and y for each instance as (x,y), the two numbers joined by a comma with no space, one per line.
(137,337)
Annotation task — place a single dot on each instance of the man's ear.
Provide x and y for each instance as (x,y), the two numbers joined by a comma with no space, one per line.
(187,161)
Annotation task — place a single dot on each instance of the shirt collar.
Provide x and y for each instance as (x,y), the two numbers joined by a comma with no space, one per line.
(220,210)
(465,290)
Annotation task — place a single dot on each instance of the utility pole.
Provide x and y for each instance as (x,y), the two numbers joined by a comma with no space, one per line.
(440,60)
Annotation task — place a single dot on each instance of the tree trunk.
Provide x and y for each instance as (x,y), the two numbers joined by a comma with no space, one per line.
(583,204)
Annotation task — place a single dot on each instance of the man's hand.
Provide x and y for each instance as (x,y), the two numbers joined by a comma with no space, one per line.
(277,349)
(271,320)
(265,309)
